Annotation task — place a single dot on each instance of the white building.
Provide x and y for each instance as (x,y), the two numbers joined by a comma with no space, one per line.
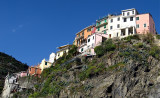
(52,57)
(122,25)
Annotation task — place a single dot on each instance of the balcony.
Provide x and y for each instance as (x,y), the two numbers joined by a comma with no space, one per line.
(79,37)
(101,24)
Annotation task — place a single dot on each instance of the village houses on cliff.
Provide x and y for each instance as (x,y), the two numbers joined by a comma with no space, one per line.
(129,22)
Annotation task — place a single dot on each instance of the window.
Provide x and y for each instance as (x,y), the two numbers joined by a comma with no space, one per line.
(125,20)
(30,69)
(104,26)
(132,12)
(137,26)
(137,18)
(36,70)
(145,25)
(117,34)
(105,20)
(123,13)
(93,37)
(82,50)
(118,19)
(88,30)
(98,29)
(118,25)
(104,31)
(59,54)
(89,40)
(111,27)
(111,20)
(79,35)
(131,18)
(128,14)
(45,63)
(83,33)
(97,23)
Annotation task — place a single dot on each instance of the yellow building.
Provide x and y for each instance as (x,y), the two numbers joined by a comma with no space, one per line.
(62,50)
(45,64)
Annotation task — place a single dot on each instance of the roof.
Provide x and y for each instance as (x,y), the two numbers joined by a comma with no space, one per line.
(64,46)
(128,9)
(85,28)
(101,19)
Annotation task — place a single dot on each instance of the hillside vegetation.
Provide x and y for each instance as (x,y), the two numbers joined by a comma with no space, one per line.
(127,67)
(11,65)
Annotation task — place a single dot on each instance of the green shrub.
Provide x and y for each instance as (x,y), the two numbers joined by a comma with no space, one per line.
(73,50)
(124,54)
(109,46)
(158,36)
(116,66)
(131,37)
(138,45)
(155,51)
(148,38)
(99,50)
(34,95)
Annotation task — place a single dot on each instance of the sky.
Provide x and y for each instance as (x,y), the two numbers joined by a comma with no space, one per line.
(32,29)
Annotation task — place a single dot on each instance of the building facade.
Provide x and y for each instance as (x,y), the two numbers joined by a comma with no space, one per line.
(102,25)
(45,64)
(145,24)
(81,36)
(52,57)
(34,71)
(122,25)
(62,50)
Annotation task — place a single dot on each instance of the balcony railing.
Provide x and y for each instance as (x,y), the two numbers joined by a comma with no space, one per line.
(79,37)
(99,25)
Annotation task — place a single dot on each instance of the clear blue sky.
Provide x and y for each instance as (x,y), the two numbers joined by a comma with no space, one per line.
(31,29)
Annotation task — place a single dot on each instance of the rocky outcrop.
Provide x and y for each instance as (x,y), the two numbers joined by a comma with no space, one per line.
(14,83)
(135,81)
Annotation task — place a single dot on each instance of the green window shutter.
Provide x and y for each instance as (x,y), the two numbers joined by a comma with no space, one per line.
(105,20)
(137,18)
(82,50)
(98,29)
(104,26)
(104,31)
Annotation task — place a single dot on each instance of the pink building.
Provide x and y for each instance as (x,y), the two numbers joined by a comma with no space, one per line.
(95,40)
(145,24)
(23,74)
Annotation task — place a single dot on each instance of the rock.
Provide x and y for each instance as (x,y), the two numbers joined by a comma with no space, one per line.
(158,79)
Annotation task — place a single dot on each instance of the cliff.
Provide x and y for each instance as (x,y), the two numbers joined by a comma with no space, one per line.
(123,68)
(8,64)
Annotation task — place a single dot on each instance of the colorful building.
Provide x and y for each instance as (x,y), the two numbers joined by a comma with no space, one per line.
(145,24)
(23,74)
(45,64)
(81,36)
(62,50)
(122,25)
(92,41)
(34,71)
(102,25)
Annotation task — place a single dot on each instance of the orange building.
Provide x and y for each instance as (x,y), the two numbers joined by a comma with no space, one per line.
(34,70)
(81,37)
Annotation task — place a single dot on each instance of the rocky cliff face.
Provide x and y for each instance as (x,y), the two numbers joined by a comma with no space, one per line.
(8,64)
(129,70)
